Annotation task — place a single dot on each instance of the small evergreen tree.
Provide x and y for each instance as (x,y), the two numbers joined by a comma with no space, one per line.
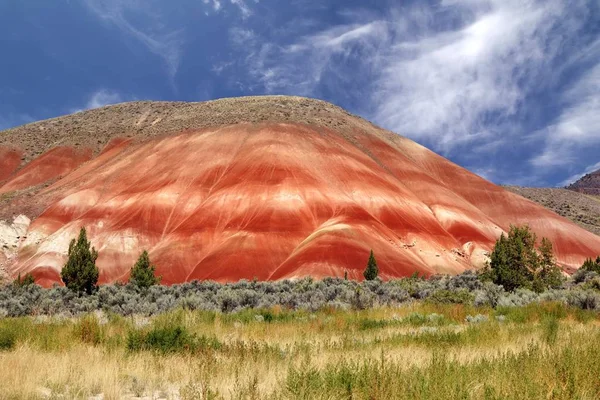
(80,273)
(26,281)
(591,265)
(512,258)
(549,274)
(371,271)
(142,273)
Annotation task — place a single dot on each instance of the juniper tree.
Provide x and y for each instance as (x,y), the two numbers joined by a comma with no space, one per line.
(591,265)
(514,259)
(549,274)
(80,273)
(516,263)
(371,271)
(142,273)
(26,281)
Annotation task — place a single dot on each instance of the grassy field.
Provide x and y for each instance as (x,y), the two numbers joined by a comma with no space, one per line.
(420,351)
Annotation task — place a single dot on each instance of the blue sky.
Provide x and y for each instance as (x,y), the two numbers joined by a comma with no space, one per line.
(507,88)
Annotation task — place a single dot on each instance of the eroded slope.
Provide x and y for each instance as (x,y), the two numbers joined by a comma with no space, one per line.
(300,188)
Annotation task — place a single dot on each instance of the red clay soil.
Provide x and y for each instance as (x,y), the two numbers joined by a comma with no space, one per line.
(10,159)
(274,201)
(58,162)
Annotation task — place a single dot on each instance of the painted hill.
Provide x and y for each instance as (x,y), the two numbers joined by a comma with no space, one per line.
(588,184)
(265,187)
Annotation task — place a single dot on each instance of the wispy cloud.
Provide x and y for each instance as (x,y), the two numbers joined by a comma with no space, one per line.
(442,86)
(100,98)
(241,5)
(154,34)
(215,4)
(299,66)
(577,127)
(453,87)
(458,77)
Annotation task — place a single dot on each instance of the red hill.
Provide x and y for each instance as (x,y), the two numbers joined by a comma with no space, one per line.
(268,187)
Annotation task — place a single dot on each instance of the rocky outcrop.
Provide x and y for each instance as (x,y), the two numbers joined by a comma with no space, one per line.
(12,234)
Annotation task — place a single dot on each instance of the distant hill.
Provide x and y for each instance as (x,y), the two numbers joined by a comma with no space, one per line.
(580,208)
(588,184)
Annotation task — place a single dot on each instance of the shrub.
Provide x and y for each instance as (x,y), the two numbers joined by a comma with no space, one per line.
(548,274)
(80,273)
(8,338)
(583,275)
(461,296)
(169,339)
(488,295)
(475,319)
(143,273)
(591,265)
(584,299)
(371,271)
(361,299)
(88,330)
(26,281)
(518,298)
(550,327)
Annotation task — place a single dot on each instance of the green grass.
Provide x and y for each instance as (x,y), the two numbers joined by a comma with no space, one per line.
(421,351)
(170,339)
(533,374)
(8,338)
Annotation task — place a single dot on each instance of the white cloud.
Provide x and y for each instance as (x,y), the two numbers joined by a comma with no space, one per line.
(299,66)
(216,4)
(577,127)
(241,5)
(240,37)
(445,87)
(154,35)
(100,98)
(441,87)
(461,75)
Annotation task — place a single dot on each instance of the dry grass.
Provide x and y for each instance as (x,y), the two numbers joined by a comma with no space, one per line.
(299,355)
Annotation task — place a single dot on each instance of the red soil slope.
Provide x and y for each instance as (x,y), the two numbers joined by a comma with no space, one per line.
(56,163)
(279,200)
(10,159)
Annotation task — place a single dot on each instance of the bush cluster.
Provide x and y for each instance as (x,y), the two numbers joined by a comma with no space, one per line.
(169,339)
(8,338)
(304,294)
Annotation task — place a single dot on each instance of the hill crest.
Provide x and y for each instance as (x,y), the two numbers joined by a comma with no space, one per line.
(588,184)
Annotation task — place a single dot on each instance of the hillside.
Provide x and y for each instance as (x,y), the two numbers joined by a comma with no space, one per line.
(588,184)
(267,187)
(582,209)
